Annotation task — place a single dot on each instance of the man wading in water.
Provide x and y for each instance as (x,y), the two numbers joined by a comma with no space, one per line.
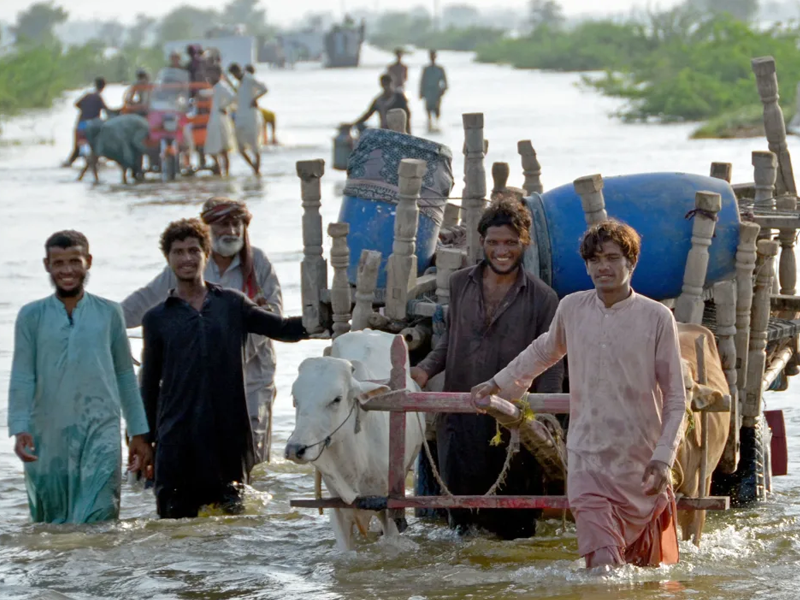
(72,373)
(193,379)
(627,403)
(496,310)
(389,99)
(237,265)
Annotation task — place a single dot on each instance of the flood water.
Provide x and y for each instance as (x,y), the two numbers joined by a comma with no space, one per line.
(274,551)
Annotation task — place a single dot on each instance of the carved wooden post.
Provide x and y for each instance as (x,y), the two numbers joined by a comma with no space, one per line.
(448,261)
(689,305)
(397,120)
(745,265)
(590,189)
(751,406)
(314,268)
(340,287)
(720,170)
(774,125)
(531,168)
(401,269)
(500,173)
(366,281)
(788,262)
(725,300)
(765,170)
(474,200)
(452,215)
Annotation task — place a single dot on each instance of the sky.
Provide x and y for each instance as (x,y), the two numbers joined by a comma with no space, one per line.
(282,12)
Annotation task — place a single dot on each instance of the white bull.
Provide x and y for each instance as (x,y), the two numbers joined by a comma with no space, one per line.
(354,461)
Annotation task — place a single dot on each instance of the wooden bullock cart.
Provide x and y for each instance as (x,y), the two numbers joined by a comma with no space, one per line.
(752,315)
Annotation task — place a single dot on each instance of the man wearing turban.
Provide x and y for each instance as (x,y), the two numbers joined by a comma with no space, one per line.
(238,265)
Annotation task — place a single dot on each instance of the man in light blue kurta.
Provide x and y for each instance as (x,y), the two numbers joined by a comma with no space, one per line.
(72,373)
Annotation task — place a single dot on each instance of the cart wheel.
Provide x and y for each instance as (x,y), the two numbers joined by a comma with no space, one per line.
(748,484)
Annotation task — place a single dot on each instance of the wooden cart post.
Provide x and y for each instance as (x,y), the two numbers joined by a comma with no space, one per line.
(788,262)
(725,300)
(689,305)
(721,170)
(448,261)
(397,120)
(366,282)
(745,265)
(751,405)
(774,125)
(340,287)
(531,169)
(765,172)
(590,189)
(474,201)
(314,268)
(500,174)
(401,268)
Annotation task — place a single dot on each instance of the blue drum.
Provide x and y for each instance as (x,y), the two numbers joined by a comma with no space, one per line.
(658,206)
(370,195)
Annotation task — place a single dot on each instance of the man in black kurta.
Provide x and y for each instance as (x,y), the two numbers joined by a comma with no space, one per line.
(496,309)
(194,394)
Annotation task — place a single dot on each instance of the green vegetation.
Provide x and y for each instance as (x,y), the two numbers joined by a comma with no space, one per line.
(396,29)
(681,64)
(39,68)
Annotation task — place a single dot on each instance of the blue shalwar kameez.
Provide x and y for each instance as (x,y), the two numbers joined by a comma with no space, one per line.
(70,377)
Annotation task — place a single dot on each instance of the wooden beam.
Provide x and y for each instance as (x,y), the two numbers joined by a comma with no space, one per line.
(426,284)
(777,221)
(782,302)
(559,502)
(456,402)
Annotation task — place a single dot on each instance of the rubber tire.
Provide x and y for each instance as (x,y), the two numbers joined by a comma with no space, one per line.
(747,485)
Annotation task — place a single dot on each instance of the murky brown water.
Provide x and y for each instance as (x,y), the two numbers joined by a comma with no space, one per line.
(274,551)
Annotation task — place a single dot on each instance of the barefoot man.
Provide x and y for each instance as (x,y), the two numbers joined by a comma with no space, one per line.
(627,404)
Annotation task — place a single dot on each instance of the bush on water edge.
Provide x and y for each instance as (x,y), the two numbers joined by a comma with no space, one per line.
(34,76)
(680,66)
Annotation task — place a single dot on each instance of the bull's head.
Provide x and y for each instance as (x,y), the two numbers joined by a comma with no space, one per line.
(327,397)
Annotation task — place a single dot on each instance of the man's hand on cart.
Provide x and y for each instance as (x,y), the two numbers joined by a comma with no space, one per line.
(483,390)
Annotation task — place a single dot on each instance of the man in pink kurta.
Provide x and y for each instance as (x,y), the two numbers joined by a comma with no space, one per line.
(627,403)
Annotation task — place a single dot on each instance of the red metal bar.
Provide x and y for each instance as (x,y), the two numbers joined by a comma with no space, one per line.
(556,502)
(397,466)
(456,402)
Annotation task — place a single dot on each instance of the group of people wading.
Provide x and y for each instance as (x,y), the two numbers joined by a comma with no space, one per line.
(235,119)
(200,414)
(432,86)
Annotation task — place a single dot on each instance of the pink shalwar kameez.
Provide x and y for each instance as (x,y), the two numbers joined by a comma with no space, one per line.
(627,404)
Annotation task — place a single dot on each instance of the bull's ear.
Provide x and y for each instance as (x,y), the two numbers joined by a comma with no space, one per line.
(368,389)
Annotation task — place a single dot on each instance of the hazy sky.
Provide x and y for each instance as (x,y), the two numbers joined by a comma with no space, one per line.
(283,12)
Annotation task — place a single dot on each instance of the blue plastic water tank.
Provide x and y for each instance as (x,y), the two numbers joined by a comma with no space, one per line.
(656,205)
(372,228)
(370,195)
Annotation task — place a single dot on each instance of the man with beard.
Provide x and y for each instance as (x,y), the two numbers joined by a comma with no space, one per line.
(496,310)
(234,264)
(72,373)
(193,379)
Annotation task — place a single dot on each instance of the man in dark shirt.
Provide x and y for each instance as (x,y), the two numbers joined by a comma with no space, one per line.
(193,379)
(90,105)
(389,99)
(496,309)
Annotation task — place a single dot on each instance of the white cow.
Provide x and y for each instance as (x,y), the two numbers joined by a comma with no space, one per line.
(354,462)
